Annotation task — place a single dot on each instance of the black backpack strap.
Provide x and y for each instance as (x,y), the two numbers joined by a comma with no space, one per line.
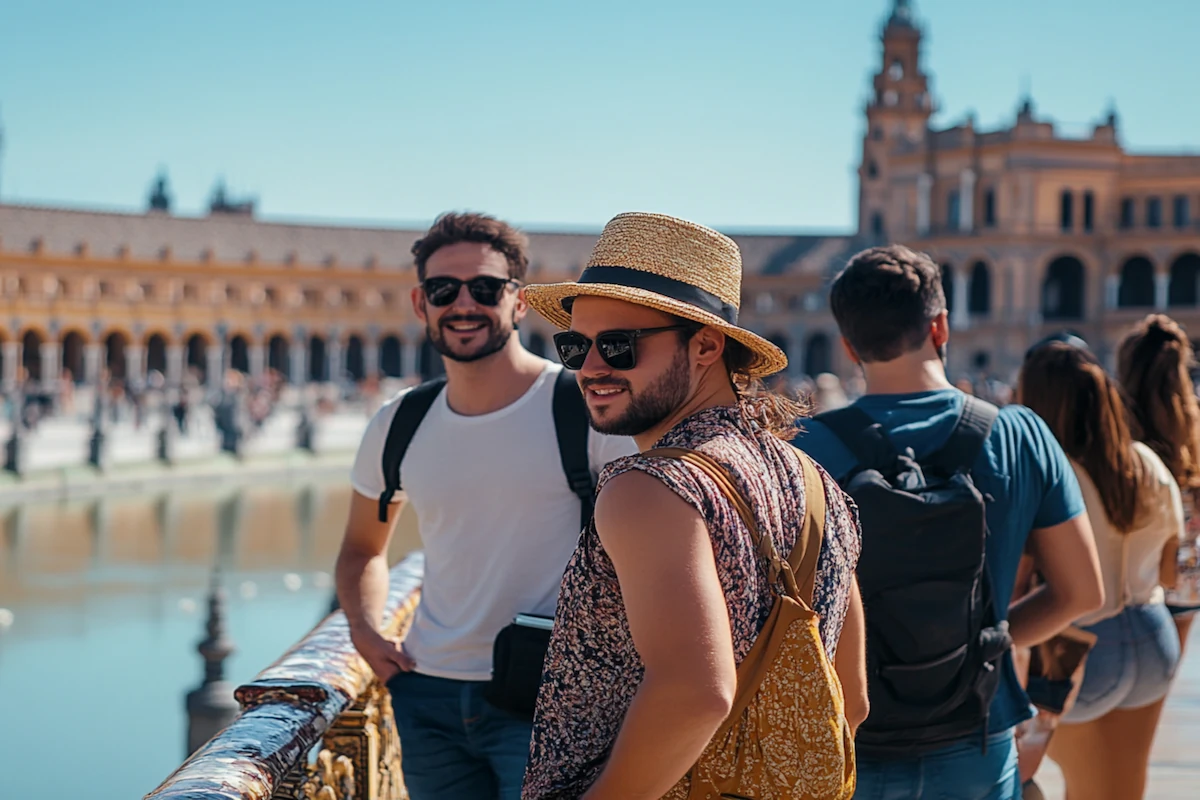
(571,426)
(413,408)
(962,449)
(862,436)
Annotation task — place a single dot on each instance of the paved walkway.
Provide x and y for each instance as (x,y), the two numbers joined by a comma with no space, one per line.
(1175,762)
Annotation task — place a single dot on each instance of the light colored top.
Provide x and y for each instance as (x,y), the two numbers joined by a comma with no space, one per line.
(1129,563)
(497,519)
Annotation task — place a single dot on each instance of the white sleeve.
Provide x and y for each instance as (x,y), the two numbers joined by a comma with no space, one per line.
(603,448)
(366,476)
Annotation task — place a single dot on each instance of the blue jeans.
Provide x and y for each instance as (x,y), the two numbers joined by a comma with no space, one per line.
(1132,664)
(959,772)
(454,745)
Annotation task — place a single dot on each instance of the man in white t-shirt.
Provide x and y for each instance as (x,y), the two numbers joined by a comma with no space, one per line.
(498,519)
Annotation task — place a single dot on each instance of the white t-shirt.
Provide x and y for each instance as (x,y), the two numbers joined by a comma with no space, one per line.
(1129,562)
(498,521)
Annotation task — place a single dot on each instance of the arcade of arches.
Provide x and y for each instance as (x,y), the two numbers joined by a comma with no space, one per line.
(1137,282)
(1140,283)
(34,356)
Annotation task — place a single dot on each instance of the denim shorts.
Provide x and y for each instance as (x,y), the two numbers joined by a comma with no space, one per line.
(1132,664)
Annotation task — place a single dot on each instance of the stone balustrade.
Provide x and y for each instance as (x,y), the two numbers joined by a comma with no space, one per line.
(315,725)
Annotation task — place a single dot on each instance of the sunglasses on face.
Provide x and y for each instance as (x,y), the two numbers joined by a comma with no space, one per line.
(484,289)
(617,348)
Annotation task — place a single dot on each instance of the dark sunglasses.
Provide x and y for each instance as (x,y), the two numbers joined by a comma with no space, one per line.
(484,289)
(617,348)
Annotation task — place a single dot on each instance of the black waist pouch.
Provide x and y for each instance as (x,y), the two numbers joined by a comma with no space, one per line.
(518,656)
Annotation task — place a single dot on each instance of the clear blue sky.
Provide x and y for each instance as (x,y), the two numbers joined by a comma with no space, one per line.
(553,114)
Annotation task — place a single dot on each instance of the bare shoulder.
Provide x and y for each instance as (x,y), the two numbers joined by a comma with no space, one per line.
(635,502)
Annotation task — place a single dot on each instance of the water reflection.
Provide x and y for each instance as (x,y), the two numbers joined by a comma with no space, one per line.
(109,598)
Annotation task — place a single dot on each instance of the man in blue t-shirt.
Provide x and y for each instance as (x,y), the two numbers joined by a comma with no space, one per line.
(891,311)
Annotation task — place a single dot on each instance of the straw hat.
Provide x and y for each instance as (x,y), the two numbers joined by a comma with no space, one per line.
(670,264)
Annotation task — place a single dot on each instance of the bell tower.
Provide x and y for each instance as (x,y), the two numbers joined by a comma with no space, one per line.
(897,118)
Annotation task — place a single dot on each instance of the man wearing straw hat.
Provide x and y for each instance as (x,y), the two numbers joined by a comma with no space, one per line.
(666,592)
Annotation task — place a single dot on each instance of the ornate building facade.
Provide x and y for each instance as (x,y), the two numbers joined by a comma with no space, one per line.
(1036,231)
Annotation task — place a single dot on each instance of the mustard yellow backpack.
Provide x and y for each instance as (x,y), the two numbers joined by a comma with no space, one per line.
(786,737)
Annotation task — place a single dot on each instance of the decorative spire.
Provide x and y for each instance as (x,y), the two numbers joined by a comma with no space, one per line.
(1111,118)
(160,198)
(1025,112)
(902,15)
(221,203)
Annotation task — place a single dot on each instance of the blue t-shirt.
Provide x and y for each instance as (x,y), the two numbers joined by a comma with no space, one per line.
(1021,465)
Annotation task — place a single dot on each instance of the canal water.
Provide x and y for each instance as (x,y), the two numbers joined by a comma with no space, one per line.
(102,603)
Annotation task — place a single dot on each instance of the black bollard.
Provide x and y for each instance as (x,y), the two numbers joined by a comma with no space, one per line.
(98,442)
(14,452)
(304,431)
(14,448)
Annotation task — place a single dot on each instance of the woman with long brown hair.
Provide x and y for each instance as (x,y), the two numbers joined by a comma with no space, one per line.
(1154,364)
(1103,742)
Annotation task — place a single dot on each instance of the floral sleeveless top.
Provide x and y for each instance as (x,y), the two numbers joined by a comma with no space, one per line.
(592,667)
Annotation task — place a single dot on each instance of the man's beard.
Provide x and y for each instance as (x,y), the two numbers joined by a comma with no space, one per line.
(648,407)
(498,335)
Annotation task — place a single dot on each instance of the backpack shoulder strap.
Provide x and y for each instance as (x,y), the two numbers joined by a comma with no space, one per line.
(862,436)
(777,567)
(966,441)
(807,551)
(411,411)
(571,426)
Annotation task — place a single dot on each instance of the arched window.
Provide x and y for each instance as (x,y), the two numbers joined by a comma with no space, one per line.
(818,355)
(197,354)
(877,228)
(239,354)
(1136,289)
(391,357)
(114,355)
(1062,290)
(156,354)
(318,364)
(979,301)
(356,365)
(31,355)
(277,356)
(72,356)
(1181,291)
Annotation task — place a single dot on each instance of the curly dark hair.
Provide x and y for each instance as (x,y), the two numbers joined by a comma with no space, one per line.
(452,228)
(884,300)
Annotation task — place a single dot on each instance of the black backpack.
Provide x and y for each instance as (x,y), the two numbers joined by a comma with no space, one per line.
(570,426)
(934,646)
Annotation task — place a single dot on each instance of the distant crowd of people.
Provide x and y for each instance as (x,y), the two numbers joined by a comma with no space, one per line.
(649,574)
